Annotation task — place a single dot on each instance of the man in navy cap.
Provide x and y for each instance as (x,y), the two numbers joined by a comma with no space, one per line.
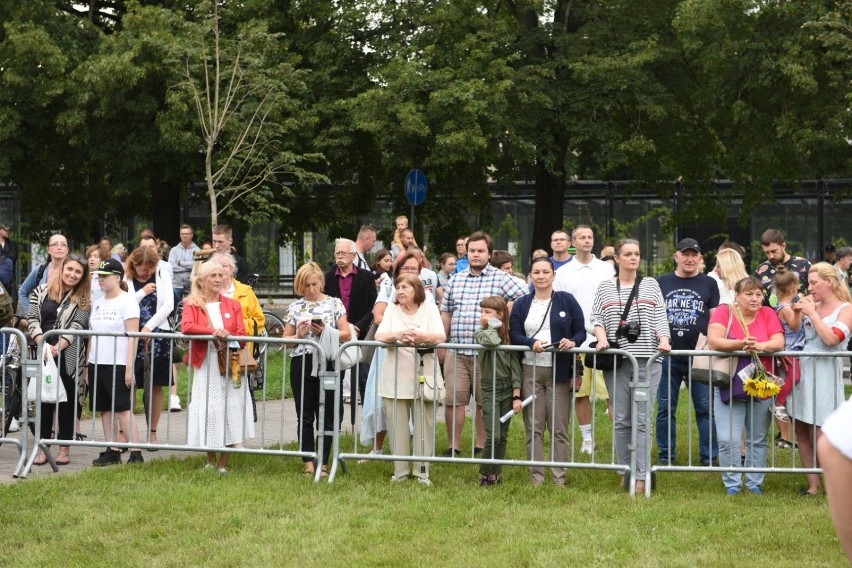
(691,296)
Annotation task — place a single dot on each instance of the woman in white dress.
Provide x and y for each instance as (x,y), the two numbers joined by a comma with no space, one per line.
(219,411)
(827,320)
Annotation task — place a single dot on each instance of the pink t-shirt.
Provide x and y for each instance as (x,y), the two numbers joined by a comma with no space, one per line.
(764,326)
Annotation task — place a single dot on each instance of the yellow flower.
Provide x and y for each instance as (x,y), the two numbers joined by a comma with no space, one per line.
(761,387)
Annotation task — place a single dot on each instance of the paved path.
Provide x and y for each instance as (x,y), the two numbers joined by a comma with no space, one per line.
(271,429)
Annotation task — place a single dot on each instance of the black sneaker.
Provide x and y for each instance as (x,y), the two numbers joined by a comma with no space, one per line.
(136,457)
(109,457)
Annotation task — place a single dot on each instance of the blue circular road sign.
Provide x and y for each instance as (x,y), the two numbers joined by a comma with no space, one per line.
(416,187)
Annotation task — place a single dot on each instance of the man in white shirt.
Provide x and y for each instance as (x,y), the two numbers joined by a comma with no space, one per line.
(581,278)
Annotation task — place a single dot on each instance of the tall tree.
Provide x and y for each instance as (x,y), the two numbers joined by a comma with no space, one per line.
(243,88)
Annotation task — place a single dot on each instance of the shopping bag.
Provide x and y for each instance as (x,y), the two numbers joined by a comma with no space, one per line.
(52,389)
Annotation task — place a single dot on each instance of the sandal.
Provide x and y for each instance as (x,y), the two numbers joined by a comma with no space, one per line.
(42,461)
(780,413)
(80,437)
(61,461)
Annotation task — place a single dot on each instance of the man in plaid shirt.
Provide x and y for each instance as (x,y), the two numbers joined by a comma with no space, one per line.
(460,312)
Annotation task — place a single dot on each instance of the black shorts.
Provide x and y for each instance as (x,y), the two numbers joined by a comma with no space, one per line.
(106,382)
(161,375)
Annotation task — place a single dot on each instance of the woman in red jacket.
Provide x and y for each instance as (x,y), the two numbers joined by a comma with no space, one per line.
(219,411)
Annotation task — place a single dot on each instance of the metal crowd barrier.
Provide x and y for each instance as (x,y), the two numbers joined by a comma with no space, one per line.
(269,438)
(574,461)
(13,362)
(777,458)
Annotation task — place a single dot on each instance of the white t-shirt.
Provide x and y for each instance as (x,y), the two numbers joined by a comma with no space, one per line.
(109,316)
(429,280)
(97,293)
(582,281)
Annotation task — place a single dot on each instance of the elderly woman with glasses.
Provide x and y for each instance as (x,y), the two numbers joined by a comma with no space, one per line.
(63,303)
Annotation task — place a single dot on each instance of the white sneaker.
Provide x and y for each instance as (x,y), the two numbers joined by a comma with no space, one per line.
(588,447)
(424,481)
(174,403)
(14,426)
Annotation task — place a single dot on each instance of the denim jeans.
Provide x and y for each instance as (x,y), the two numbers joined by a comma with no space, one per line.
(667,399)
(754,416)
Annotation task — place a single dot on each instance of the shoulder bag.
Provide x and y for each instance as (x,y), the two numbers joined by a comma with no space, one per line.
(714,370)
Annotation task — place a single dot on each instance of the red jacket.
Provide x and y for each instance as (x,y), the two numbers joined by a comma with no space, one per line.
(195,322)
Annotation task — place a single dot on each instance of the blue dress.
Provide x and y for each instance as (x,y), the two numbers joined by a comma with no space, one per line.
(820,391)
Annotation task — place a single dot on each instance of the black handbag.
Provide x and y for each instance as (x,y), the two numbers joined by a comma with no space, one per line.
(602,361)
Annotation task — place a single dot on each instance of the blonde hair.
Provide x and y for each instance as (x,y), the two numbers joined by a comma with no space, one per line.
(306,271)
(396,232)
(829,273)
(196,296)
(731,267)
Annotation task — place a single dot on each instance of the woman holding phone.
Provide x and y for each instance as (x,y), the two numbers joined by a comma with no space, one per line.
(306,319)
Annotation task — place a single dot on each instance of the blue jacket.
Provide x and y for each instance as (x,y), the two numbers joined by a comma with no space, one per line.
(566,322)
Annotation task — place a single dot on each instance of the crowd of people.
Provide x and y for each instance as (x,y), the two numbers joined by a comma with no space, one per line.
(570,298)
(111,290)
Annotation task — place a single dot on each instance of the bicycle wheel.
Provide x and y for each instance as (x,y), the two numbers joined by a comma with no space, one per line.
(175,319)
(274,328)
(10,404)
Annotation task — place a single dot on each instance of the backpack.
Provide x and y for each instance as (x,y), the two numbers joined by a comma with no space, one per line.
(40,274)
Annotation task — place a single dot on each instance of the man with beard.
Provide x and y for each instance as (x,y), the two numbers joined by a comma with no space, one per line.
(460,312)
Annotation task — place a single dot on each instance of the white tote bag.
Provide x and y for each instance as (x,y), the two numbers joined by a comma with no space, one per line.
(52,389)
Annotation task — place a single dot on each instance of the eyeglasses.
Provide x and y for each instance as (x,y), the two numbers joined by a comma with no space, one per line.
(343,253)
(59,245)
(409,269)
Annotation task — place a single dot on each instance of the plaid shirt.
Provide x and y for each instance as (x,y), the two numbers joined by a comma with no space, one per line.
(463,294)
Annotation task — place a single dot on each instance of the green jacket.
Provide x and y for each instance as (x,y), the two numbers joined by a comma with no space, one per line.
(507,365)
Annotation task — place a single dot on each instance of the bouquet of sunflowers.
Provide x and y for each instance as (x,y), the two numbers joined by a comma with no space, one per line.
(761,384)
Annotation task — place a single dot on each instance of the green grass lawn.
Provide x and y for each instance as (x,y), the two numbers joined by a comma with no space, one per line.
(265,512)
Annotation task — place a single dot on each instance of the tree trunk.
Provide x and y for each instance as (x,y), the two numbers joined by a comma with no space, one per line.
(165,210)
(549,206)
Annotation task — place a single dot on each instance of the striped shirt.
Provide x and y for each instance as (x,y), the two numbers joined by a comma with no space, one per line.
(648,309)
(462,296)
